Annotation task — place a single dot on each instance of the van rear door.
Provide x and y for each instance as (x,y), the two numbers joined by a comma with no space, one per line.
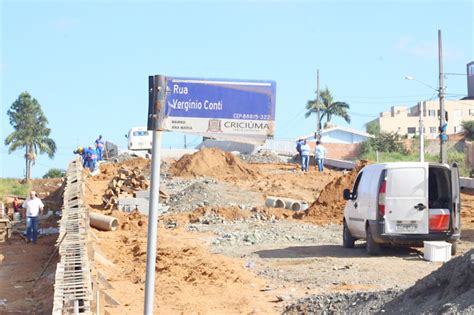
(456,200)
(406,200)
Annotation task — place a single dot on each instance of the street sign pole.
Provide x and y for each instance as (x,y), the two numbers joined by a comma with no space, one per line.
(157,87)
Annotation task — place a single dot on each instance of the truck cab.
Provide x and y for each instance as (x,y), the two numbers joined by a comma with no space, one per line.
(403,203)
(139,138)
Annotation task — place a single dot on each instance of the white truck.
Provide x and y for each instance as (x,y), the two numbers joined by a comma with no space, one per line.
(403,203)
(139,139)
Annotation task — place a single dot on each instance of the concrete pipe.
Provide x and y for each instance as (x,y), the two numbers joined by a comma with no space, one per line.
(293,204)
(274,202)
(103,222)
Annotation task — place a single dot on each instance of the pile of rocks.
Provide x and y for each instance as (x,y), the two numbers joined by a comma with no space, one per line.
(448,290)
(202,192)
(126,182)
(263,156)
(259,229)
(342,303)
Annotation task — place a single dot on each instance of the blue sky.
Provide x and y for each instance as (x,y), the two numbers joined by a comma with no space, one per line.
(87,62)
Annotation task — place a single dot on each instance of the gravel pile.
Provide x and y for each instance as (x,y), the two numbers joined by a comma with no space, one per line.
(127,156)
(260,229)
(202,192)
(448,290)
(262,156)
(342,303)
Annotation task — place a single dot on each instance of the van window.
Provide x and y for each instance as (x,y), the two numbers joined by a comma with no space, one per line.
(439,188)
(404,182)
(356,185)
(140,133)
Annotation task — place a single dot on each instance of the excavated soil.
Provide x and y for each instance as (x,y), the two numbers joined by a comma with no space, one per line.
(189,279)
(329,206)
(212,162)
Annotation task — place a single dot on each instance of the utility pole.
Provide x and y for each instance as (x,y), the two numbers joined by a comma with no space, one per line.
(422,133)
(443,156)
(318,113)
(185,145)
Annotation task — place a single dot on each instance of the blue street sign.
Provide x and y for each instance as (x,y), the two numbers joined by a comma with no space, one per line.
(221,108)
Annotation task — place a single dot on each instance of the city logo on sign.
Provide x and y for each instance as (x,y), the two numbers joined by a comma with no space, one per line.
(214,125)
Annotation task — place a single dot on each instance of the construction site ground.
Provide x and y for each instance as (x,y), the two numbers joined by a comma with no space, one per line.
(220,250)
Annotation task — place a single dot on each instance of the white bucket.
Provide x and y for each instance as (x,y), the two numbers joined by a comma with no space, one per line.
(437,251)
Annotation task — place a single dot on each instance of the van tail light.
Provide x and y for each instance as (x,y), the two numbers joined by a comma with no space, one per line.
(439,220)
(381,205)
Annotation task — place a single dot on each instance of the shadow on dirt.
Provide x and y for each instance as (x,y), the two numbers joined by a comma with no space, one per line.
(336,251)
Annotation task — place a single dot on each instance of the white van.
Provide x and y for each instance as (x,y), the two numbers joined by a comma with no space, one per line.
(403,203)
(139,138)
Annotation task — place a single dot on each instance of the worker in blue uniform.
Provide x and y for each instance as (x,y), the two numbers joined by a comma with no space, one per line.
(99,146)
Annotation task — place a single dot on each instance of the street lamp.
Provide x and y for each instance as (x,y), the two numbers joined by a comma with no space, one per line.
(422,136)
(442,121)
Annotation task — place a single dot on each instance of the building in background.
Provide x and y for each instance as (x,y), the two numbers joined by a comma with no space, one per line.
(470,81)
(405,120)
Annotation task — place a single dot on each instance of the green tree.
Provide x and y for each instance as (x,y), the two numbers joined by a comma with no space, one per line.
(469,129)
(384,142)
(30,131)
(55,173)
(328,107)
(372,127)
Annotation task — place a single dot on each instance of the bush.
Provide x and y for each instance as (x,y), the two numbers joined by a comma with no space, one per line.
(55,173)
(469,129)
(384,142)
(372,127)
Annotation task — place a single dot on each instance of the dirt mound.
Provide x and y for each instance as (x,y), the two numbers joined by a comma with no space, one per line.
(186,263)
(329,206)
(450,289)
(212,162)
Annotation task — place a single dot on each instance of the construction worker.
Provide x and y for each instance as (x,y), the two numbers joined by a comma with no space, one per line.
(299,143)
(82,153)
(91,158)
(305,156)
(33,206)
(319,155)
(99,146)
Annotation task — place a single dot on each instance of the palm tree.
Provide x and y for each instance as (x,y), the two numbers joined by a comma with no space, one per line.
(30,132)
(328,108)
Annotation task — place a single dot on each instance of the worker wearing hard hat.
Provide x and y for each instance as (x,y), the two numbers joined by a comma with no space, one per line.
(82,153)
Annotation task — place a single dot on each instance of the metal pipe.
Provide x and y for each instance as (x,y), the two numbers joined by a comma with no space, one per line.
(158,90)
(103,222)
(274,202)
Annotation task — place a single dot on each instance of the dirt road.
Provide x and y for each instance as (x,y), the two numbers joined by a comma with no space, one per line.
(22,263)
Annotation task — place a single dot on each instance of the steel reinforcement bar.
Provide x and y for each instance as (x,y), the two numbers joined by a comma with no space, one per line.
(73,293)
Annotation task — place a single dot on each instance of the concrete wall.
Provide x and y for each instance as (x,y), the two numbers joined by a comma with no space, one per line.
(341,136)
(340,151)
(401,118)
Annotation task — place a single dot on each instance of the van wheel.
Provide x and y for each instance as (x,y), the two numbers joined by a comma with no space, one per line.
(454,248)
(371,246)
(347,239)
